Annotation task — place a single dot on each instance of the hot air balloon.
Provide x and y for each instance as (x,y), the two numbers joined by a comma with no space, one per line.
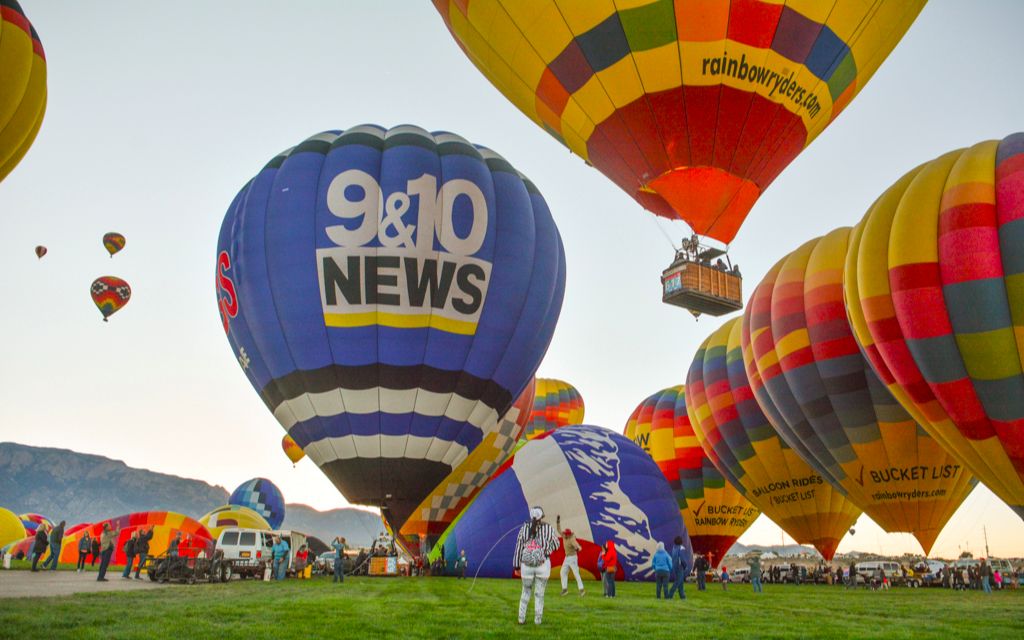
(556,404)
(263,497)
(291,449)
(389,293)
(11,527)
(110,294)
(463,484)
(40,251)
(113,242)
(715,513)
(814,374)
(195,538)
(31,522)
(933,291)
(746,448)
(23,88)
(602,485)
(690,107)
(232,515)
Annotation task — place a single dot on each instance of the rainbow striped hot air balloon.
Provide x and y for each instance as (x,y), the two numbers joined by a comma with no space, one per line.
(832,403)
(110,294)
(935,294)
(556,404)
(715,513)
(22,85)
(195,538)
(747,449)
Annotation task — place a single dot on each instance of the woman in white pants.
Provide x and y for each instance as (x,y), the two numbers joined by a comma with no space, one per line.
(536,541)
(571,562)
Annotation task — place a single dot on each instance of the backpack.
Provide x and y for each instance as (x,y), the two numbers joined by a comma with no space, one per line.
(129,547)
(533,553)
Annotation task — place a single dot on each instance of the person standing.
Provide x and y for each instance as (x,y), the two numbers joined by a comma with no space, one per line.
(985,576)
(84,546)
(301,556)
(755,574)
(339,547)
(142,549)
(39,546)
(94,551)
(609,567)
(56,538)
(129,554)
(679,569)
(724,577)
(534,544)
(460,565)
(571,563)
(852,581)
(107,540)
(280,552)
(701,567)
(662,565)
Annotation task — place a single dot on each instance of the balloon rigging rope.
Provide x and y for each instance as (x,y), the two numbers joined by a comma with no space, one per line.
(473,584)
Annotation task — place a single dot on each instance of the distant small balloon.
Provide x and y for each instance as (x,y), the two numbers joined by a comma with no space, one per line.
(113,242)
(110,294)
(292,449)
(40,251)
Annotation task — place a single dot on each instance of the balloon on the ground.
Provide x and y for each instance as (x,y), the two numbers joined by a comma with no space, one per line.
(110,294)
(263,497)
(935,293)
(292,449)
(195,538)
(556,404)
(77,527)
(40,251)
(232,515)
(715,512)
(603,486)
(22,548)
(389,293)
(742,443)
(463,484)
(12,528)
(691,107)
(113,242)
(31,522)
(23,86)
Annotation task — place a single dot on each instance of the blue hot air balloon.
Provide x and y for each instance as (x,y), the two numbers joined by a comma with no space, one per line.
(595,481)
(263,497)
(389,293)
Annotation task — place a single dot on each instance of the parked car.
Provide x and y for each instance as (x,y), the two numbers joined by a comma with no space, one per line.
(740,574)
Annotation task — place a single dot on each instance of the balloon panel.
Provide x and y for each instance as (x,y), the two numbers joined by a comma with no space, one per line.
(263,497)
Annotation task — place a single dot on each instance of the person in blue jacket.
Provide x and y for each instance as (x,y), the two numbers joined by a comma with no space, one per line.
(280,551)
(679,569)
(662,565)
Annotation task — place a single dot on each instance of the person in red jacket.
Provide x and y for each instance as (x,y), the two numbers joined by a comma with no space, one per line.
(609,565)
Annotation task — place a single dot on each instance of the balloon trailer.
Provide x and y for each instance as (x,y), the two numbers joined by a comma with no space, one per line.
(189,568)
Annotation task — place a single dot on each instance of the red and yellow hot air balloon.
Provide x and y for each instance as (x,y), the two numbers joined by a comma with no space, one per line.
(746,448)
(292,449)
(935,294)
(22,85)
(692,107)
(715,513)
(195,538)
(831,403)
(113,242)
(556,404)
(110,294)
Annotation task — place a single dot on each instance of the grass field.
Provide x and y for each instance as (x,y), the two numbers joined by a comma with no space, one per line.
(443,607)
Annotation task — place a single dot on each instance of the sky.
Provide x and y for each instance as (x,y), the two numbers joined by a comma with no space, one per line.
(159,113)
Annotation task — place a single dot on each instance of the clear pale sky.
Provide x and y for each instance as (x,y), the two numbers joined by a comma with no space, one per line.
(159,112)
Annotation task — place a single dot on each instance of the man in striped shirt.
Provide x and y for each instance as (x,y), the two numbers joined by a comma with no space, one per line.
(535,543)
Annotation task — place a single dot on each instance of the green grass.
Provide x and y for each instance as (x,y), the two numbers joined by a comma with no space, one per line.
(402,608)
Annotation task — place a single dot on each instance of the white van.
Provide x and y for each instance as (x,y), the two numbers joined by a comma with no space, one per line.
(892,570)
(247,549)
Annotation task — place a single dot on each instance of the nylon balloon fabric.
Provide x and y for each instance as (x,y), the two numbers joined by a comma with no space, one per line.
(829,398)
(263,497)
(556,404)
(232,515)
(715,512)
(195,539)
(603,486)
(935,293)
(692,107)
(22,85)
(291,449)
(389,293)
(744,445)
(113,242)
(110,294)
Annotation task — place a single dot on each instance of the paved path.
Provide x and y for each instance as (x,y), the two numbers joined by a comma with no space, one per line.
(25,584)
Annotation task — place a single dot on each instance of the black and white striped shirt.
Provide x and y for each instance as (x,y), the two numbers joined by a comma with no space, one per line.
(545,536)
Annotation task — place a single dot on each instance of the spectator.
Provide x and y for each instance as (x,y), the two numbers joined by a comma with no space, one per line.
(851,582)
(755,574)
(280,552)
(94,550)
(662,565)
(985,575)
(84,546)
(997,578)
(107,540)
(460,565)
(534,544)
(701,567)
(339,547)
(679,569)
(172,548)
(129,554)
(571,562)
(725,577)
(56,537)
(609,567)
(142,549)
(39,546)
(301,557)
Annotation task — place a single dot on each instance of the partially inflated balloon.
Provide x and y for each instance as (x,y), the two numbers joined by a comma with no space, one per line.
(40,251)
(263,497)
(830,399)
(32,521)
(935,293)
(556,404)
(113,242)
(11,527)
(195,538)
(292,449)
(232,515)
(389,293)
(110,294)
(22,85)
(747,449)
(715,513)
(692,107)
(602,485)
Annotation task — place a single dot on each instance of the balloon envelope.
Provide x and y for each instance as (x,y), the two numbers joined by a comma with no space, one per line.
(113,242)
(165,524)
(691,107)
(292,449)
(232,515)
(23,89)
(12,528)
(40,251)
(603,486)
(934,294)
(715,512)
(746,448)
(263,497)
(31,522)
(556,404)
(110,294)
(389,293)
